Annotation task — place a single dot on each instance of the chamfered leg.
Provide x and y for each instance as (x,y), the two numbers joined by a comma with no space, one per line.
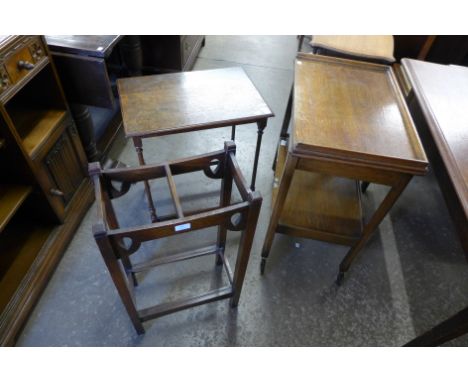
(284,184)
(118,276)
(245,246)
(114,223)
(261,126)
(389,200)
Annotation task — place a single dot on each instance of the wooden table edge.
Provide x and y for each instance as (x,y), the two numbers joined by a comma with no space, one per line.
(437,136)
(346,61)
(197,127)
(410,128)
(413,167)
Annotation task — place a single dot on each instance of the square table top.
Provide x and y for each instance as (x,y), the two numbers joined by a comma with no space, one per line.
(177,102)
(442,93)
(353,111)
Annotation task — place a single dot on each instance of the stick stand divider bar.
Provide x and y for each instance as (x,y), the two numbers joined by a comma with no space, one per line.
(173,189)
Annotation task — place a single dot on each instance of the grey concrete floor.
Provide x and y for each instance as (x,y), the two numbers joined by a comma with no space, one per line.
(411,275)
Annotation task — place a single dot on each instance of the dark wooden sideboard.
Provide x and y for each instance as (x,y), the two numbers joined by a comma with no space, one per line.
(170,53)
(90,65)
(44,190)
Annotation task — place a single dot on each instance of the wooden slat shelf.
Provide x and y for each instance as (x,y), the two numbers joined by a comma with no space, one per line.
(36,126)
(327,208)
(11,198)
(19,245)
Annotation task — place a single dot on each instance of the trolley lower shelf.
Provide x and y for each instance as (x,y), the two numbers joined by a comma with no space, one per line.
(319,206)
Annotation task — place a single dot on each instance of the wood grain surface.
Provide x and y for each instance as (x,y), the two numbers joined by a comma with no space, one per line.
(177,102)
(441,101)
(328,206)
(367,46)
(443,92)
(354,111)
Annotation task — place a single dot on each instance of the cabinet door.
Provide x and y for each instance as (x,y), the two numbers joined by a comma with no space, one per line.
(63,170)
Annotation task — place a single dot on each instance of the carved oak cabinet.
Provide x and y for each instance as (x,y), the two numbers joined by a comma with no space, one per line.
(44,191)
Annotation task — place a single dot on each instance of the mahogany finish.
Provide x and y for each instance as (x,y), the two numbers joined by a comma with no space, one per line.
(109,236)
(350,121)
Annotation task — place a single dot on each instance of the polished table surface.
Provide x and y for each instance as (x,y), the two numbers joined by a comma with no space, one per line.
(354,111)
(441,95)
(441,92)
(177,102)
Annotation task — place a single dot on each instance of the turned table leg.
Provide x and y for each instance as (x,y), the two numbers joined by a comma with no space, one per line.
(85,127)
(139,150)
(261,126)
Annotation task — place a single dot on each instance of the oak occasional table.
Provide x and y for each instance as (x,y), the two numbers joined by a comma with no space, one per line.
(174,103)
(438,101)
(350,123)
